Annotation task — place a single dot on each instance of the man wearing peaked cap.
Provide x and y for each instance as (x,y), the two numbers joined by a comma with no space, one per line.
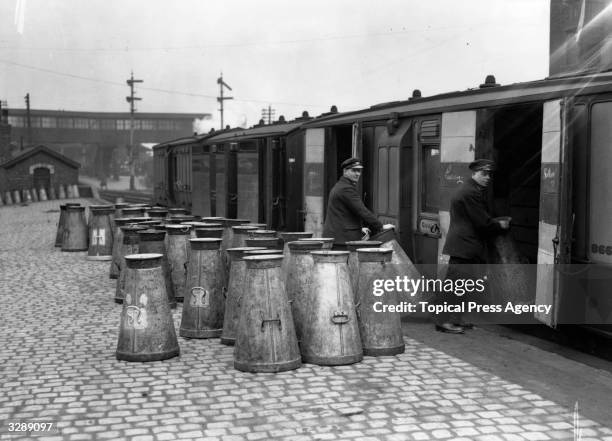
(346,212)
(470,227)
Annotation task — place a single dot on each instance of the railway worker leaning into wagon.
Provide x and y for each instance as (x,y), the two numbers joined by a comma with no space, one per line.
(471,226)
(347,217)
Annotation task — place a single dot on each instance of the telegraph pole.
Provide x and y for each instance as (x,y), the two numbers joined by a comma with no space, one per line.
(268,114)
(28,119)
(222,98)
(131,154)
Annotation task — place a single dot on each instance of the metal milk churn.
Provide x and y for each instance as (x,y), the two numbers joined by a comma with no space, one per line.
(100,232)
(353,262)
(158,213)
(328,242)
(228,233)
(152,242)
(174,211)
(299,277)
(59,236)
(204,301)
(52,194)
(267,242)
(204,232)
(43,194)
(75,229)
(115,265)
(330,332)
(146,330)
(178,255)
(380,330)
(131,211)
(129,245)
(266,340)
(290,237)
(8,199)
(119,206)
(262,234)
(236,288)
(240,234)
(62,192)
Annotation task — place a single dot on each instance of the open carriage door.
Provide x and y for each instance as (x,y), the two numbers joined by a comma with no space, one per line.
(555,221)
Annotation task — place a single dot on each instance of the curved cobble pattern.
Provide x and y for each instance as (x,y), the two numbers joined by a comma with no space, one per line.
(58,337)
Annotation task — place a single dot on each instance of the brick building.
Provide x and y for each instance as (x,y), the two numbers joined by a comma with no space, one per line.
(38,167)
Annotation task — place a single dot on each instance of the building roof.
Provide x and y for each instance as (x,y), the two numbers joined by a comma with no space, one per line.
(39,149)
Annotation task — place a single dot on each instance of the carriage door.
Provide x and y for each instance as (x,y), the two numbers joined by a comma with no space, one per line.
(314,181)
(555,224)
(294,182)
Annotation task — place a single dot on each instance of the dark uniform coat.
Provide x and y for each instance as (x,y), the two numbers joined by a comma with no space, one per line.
(470,223)
(346,213)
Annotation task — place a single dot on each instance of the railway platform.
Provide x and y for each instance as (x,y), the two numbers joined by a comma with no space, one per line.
(58,335)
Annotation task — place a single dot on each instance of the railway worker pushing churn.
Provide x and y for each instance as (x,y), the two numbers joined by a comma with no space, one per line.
(347,217)
(471,226)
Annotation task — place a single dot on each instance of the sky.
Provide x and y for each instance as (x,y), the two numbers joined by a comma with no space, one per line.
(290,55)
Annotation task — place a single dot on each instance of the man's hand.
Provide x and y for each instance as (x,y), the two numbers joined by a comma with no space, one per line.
(388,227)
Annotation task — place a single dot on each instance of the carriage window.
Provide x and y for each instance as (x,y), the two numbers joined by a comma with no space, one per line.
(430,187)
(600,236)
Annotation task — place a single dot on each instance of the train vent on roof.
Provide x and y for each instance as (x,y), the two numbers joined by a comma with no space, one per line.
(430,129)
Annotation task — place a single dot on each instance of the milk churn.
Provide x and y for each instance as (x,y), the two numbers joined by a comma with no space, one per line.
(74,236)
(255,234)
(236,288)
(16,197)
(34,195)
(52,194)
(204,301)
(59,236)
(119,209)
(215,219)
(299,277)
(152,242)
(158,213)
(177,211)
(241,233)
(180,218)
(115,265)
(380,330)
(267,242)
(266,340)
(1,201)
(290,237)
(146,330)
(26,196)
(61,193)
(178,254)
(100,232)
(75,191)
(328,242)
(353,262)
(228,233)
(8,199)
(42,194)
(129,245)
(131,211)
(330,332)
(203,232)
(400,262)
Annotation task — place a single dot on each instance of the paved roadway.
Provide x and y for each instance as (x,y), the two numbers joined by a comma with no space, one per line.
(58,335)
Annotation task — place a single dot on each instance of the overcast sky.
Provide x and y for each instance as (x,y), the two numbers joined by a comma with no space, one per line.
(292,55)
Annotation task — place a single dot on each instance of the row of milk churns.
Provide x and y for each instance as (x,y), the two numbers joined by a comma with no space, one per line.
(280,305)
(41,194)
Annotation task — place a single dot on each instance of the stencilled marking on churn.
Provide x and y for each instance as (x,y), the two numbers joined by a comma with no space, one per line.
(136,316)
(200,297)
(98,236)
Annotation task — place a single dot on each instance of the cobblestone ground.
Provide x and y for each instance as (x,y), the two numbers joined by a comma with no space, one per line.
(58,337)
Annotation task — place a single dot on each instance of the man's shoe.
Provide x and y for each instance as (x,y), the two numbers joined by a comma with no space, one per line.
(449,328)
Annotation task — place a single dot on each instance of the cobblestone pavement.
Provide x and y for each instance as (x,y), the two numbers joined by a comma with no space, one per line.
(58,337)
